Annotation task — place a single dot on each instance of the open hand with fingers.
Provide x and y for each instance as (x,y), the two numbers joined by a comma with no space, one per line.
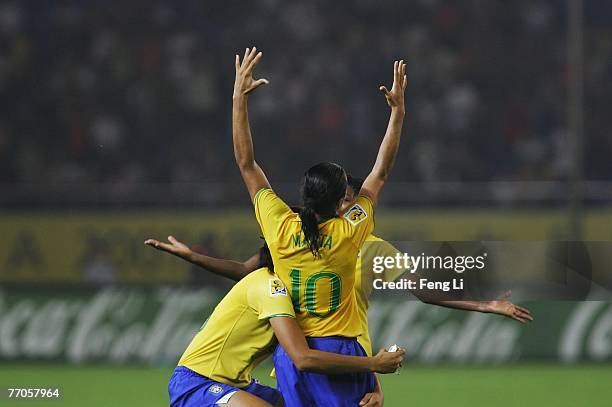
(174,246)
(502,306)
(395,97)
(244,83)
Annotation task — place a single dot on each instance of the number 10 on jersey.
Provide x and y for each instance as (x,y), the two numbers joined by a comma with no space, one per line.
(314,293)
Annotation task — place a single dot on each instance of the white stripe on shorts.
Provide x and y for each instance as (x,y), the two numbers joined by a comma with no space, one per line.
(226,398)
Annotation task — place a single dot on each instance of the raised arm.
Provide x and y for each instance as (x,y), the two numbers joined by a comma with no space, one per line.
(385,159)
(292,339)
(231,269)
(253,176)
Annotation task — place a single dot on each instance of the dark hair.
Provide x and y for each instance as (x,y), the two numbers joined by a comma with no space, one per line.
(265,258)
(355,183)
(323,187)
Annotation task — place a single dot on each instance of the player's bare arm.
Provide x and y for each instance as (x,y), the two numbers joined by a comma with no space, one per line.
(252,174)
(291,337)
(501,306)
(231,269)
(385,159)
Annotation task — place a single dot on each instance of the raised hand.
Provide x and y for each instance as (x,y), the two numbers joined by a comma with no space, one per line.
(244,83)
(395,97)
(174,247)
(502,306)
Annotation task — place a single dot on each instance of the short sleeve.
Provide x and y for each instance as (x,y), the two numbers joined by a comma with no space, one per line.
(361,218)
(270,212)
(270,299)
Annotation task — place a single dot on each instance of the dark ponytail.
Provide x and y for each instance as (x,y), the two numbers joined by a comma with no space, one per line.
(310,228)
(323,188)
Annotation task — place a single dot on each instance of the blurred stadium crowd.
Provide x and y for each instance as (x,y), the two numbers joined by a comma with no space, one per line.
(128,92)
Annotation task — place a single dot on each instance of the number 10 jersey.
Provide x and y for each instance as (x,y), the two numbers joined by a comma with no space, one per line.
(321,288)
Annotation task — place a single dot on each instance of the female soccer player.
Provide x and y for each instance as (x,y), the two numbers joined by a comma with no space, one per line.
(236,270)
(216,367)
(315,251)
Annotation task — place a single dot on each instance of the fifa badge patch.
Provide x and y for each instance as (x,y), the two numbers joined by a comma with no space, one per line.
(277,287)
(215,389)
(355,215)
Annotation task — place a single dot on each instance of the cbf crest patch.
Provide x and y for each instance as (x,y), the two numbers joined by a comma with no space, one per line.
(356,214)
(215,389)
(277,287)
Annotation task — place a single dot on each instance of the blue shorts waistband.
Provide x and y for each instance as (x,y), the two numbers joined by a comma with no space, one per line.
(336,338)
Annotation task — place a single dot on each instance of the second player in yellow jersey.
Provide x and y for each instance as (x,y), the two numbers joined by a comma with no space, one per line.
(238,334)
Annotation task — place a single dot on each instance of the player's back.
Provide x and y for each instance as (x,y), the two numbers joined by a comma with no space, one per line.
(237,336)
(321,287)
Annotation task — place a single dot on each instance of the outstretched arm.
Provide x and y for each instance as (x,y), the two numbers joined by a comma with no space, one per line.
(292,339)
(501,306)
(231,269)
(375,181)
(253,176)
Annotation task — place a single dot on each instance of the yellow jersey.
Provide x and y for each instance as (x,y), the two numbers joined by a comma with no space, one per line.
(321,288)
(364,277)
(238,336)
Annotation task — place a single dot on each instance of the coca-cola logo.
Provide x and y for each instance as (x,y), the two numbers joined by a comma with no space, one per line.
(588,333)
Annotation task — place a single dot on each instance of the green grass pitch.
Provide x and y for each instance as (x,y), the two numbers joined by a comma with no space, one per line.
(474,386)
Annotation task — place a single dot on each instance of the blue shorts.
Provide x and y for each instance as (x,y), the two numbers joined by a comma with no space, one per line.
(190,389)
(304,389)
